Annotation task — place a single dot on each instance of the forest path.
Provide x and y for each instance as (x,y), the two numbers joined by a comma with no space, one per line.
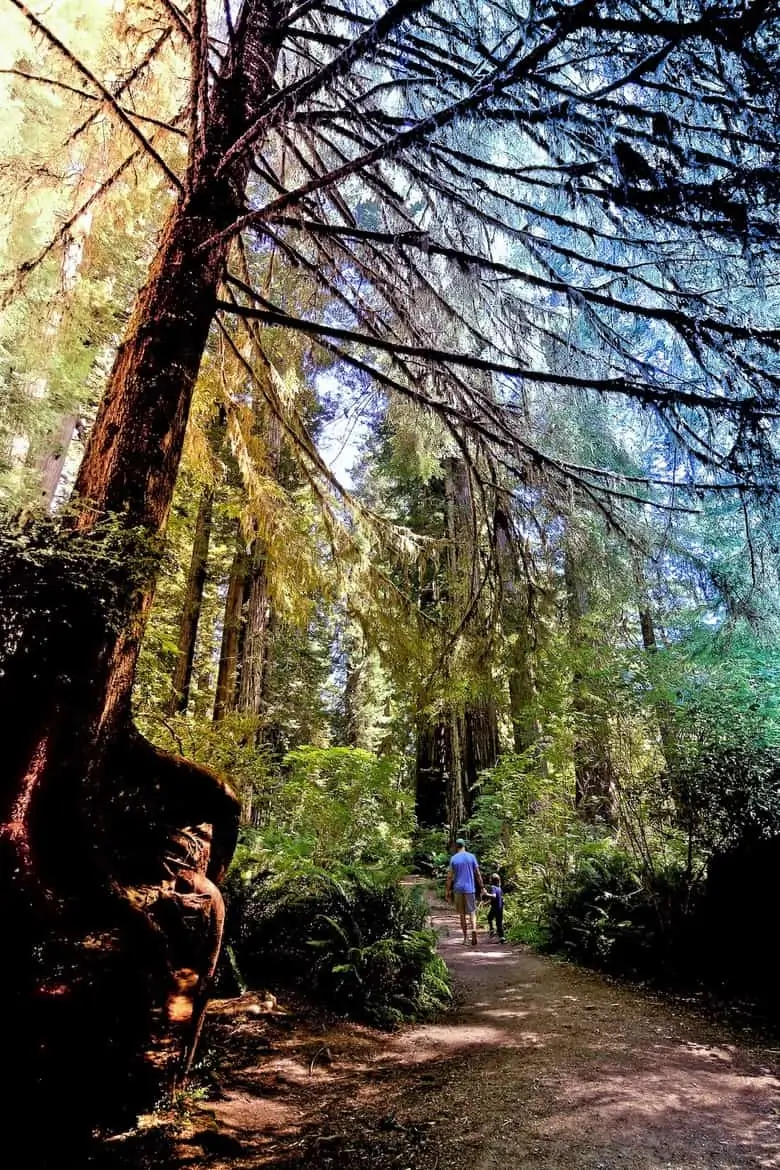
(542,1065)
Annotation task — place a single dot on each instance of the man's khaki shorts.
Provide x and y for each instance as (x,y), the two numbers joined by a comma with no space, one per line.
(465,902)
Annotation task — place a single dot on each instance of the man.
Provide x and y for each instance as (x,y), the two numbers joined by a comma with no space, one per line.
(463,882)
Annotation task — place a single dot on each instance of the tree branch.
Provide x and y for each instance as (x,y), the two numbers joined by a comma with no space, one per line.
(645,393)
(106,95)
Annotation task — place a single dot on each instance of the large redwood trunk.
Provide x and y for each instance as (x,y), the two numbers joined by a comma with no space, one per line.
(109,848)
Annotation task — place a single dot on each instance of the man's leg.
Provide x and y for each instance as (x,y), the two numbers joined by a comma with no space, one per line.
(471,906)
(460,906)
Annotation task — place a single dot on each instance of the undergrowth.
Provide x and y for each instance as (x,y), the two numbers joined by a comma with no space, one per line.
(356,943)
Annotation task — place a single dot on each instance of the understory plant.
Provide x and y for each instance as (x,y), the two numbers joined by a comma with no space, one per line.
(314,894)
(359,943)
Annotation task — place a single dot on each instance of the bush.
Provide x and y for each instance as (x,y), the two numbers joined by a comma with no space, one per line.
(525,825)
(429,854)
(612,915)
(340,806)
(359,945)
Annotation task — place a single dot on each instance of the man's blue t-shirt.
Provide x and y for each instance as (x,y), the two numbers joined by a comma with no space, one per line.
(464,868)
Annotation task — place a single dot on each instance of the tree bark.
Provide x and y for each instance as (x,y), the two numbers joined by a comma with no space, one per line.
(430,775)
(256,632)
(665,728)
(109,848)
(451,754)
(193,600)
(523,695)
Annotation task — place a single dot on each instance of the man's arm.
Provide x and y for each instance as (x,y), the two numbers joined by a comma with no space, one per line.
(478,876)
(448,889)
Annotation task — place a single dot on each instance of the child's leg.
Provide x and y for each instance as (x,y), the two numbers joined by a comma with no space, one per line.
(500,922)
(491,918)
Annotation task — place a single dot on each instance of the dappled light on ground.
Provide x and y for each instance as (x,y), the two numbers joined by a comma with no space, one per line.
(540,1067)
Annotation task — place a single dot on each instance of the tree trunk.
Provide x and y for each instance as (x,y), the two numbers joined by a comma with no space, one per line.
(647,627)
(523,695)
(51,462)
(594,777)
(361,727)
(481,746)
(193,600)
(255,650)
(109,848)
(227,676)
(430,775)
(452,753)
(456,780)
(352,694)
(255,643)
(665,726)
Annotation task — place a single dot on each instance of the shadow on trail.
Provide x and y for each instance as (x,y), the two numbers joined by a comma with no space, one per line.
(541,1065)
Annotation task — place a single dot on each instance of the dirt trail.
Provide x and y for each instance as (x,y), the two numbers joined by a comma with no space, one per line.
(541,1066)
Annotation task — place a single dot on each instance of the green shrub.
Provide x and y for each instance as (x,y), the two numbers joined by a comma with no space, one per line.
(525,825)
(429,853)
(611,914)
(342,806)
(359,944)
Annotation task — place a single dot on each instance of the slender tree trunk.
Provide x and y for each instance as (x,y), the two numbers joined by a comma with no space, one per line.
(257,622)
(109,848)
(51,462)
(594,778)
(193,600)
(452,753)
(255,644)
(227,674)
(352,701)
(457,790)
(650,644)
(523,695)
(647,627)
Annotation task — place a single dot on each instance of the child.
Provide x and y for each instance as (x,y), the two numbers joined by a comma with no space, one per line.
(496,912)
